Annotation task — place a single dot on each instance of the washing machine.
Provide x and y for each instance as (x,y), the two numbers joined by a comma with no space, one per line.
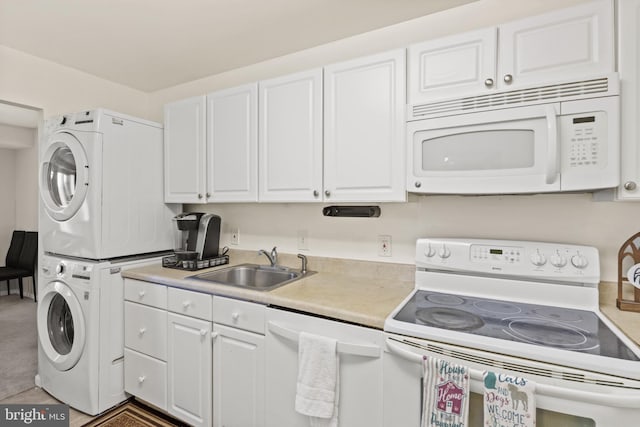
(80,319)
(101,187)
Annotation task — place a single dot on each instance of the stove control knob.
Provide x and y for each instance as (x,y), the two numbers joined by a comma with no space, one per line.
(558,260)
(579,261)
(429,252)
(538,259)
(444,252)
(60,269)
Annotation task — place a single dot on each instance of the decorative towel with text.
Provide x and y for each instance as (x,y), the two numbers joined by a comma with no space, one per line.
(508,401)
(446,394)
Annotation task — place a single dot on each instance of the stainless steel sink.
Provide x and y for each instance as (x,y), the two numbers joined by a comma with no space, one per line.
(253,276)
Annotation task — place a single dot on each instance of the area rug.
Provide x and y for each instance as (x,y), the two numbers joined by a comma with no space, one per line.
(133,414)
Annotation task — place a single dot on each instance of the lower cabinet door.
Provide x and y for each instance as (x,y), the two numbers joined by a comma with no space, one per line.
(189,369)
(238,378)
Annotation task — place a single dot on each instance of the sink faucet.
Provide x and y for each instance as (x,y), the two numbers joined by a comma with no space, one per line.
(273,258)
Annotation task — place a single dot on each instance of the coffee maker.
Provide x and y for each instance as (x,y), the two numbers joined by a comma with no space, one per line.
(197,236)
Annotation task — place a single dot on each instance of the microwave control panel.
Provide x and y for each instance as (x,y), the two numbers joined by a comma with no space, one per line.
(583,139)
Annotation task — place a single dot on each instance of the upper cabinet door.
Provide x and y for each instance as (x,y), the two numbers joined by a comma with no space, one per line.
(629,68)
(290,138)
(452,66)
(232,144)
(364,129)
(570,43)
(185,151)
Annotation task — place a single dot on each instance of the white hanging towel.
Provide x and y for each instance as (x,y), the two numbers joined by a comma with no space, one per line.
(318,380)
(508,401)
(446,394)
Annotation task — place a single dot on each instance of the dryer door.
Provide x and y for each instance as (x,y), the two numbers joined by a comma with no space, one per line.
(61,325)
(64,176)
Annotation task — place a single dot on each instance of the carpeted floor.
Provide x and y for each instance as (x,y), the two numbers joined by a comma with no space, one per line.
(18,344)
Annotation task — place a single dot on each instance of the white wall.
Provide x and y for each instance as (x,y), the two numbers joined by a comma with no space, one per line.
(8,200)
(571,218)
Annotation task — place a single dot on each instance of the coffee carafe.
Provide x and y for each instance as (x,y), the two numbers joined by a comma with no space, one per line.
(197,236)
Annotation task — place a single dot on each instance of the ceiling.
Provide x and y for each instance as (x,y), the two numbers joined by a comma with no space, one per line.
(154,44)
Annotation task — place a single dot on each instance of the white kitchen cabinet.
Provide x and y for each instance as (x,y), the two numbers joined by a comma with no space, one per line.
(238,372)
(290,138)
(211,147)
(629,70)
(185,167)
(238,363)
(512,56)
(189,376)
(232,144)
(360,355)
(364,115)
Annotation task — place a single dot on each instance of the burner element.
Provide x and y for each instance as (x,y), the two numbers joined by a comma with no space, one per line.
(444,299)
(498,307)
(549,333)
(449,318)
(558,314)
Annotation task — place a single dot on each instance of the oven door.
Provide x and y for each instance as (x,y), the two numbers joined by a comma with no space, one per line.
(564,396)
(512,150)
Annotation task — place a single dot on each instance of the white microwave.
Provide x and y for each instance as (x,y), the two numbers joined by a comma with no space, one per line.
(554,147)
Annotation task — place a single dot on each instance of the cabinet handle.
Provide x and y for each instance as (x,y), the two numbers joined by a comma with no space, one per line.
(630,185)
(327,193)
(488,82)
(235,316)
(203,332)
(508,78)
(214,335)
(141,379)
(199,196)
(208,195)
(142,331)
(141,293)
(186,304)
(316,193)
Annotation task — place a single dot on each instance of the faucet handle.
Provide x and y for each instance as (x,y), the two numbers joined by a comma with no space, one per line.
(303,258)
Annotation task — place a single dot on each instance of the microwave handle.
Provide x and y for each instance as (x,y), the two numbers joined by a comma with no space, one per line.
(552,144)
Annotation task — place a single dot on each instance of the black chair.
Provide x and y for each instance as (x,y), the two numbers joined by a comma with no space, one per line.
(25,266)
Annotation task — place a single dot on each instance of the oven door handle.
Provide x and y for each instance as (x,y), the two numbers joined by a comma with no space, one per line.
(614,400)
(342,347)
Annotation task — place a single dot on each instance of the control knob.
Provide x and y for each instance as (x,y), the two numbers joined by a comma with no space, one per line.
(444,252)
(429,252)
(538,259)
(579,261)
(557,260)
(60,269)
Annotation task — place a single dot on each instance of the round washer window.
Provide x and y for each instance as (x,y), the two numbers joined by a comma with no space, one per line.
(60,325)
(61,176)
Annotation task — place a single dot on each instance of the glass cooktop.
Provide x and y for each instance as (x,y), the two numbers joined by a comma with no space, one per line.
(548,326)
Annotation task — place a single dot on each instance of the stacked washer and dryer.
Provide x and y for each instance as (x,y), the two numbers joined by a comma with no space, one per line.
(102,211)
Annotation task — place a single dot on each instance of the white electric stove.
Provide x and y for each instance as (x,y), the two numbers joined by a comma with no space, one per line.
(529,300)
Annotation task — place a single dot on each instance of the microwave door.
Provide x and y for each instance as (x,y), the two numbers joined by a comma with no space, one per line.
(496,152)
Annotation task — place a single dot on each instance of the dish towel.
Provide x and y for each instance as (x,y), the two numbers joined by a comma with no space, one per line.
(317,389)
(508,401)
(446,394)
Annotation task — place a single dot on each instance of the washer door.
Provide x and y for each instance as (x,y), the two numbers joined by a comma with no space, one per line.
(61,327)
(64,176)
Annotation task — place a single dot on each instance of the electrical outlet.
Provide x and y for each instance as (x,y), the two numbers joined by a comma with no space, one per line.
(384,245)
(235,236)
(303,240)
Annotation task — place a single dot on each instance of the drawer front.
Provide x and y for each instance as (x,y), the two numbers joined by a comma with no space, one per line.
(145,293)
(145,330)
(239,314)
(189,303)
(145,378)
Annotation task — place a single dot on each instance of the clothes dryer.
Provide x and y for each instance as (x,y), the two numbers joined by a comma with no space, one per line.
(80,320)
(101,187)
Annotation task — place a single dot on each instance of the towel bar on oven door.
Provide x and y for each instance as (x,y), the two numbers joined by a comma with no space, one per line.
(615,400)
(342,347)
